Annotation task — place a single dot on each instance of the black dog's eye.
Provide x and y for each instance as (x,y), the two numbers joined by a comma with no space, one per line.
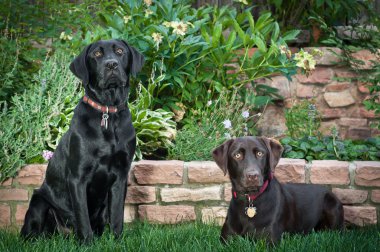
(98,54)
(119,51)
(238,156)
(259,154)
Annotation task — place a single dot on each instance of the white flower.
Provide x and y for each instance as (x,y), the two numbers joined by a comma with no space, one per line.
(245,114)
(227,124)
(179,28)
(62,36)
(127,19)
(209,103)
(157,37)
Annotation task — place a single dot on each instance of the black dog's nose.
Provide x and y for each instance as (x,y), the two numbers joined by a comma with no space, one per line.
(111,64)
(252,177)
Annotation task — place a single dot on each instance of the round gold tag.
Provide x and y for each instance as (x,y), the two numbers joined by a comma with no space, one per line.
(250,211)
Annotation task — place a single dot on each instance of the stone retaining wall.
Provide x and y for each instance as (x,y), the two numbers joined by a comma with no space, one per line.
(175,191)
(339,100)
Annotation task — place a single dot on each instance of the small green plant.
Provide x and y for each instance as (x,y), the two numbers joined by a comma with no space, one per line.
(231,115)
(331,147)
(303,120)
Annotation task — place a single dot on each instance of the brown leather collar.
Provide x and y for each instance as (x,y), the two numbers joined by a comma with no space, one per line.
(102,108)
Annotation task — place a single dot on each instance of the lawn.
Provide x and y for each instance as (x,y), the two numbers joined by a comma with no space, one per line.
(197,237)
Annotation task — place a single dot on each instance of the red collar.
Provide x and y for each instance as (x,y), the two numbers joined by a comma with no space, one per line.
(101,108)
(251,197)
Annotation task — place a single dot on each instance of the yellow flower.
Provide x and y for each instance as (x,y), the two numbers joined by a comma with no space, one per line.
(148,12)
(305,60)
(148,2)
(127,19)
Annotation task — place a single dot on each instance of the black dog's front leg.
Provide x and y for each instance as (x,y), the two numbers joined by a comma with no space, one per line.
(78,197)
(116,206)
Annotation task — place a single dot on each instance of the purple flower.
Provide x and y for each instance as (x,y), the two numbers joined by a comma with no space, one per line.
(47,155)
(227,124)
(245,114)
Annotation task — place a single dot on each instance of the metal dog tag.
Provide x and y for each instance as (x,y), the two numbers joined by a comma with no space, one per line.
(250,211)
(104,122)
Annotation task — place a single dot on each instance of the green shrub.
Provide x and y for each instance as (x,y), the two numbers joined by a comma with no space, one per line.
(187,46)
(24,127)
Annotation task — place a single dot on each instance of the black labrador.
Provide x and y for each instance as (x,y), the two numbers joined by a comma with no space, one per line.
(261,207)
(86,179)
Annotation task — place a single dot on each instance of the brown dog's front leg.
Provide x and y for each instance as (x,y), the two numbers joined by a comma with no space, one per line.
(226,232)
(78,197)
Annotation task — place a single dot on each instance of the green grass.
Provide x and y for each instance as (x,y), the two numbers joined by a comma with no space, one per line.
(196,237)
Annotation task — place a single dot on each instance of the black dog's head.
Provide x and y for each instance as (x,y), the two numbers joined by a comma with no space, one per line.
(104,68)
(248,160)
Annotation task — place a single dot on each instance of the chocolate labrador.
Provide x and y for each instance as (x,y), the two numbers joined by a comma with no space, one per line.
(86,179)
(261,207)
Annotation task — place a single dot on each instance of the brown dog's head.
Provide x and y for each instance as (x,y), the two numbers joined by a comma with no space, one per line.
(248,160)
(104,68)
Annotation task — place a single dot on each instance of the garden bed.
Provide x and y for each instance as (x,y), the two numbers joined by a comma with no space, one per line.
(171,192)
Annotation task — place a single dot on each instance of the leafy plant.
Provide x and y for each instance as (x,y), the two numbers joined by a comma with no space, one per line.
(155,129)
(16,69)
(330,147)
(303,120)
(231,115)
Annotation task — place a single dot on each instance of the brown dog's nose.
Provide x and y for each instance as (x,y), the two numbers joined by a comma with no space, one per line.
(111,64)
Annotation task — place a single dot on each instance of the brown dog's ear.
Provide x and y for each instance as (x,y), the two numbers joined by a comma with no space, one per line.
(220,155)
(275,149)
(136,60)
(79,66)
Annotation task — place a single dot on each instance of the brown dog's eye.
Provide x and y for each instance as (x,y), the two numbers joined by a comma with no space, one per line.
(259,154)
(119,51)
(238,156)
(98,54)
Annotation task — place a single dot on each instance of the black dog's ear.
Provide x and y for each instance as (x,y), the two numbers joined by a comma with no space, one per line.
(79,66)
(136,60)
(275,149)
(220,155)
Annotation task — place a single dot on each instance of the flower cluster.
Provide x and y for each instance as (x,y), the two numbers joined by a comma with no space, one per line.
(306,60)
(47,155)
(179,27)
(65,36)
